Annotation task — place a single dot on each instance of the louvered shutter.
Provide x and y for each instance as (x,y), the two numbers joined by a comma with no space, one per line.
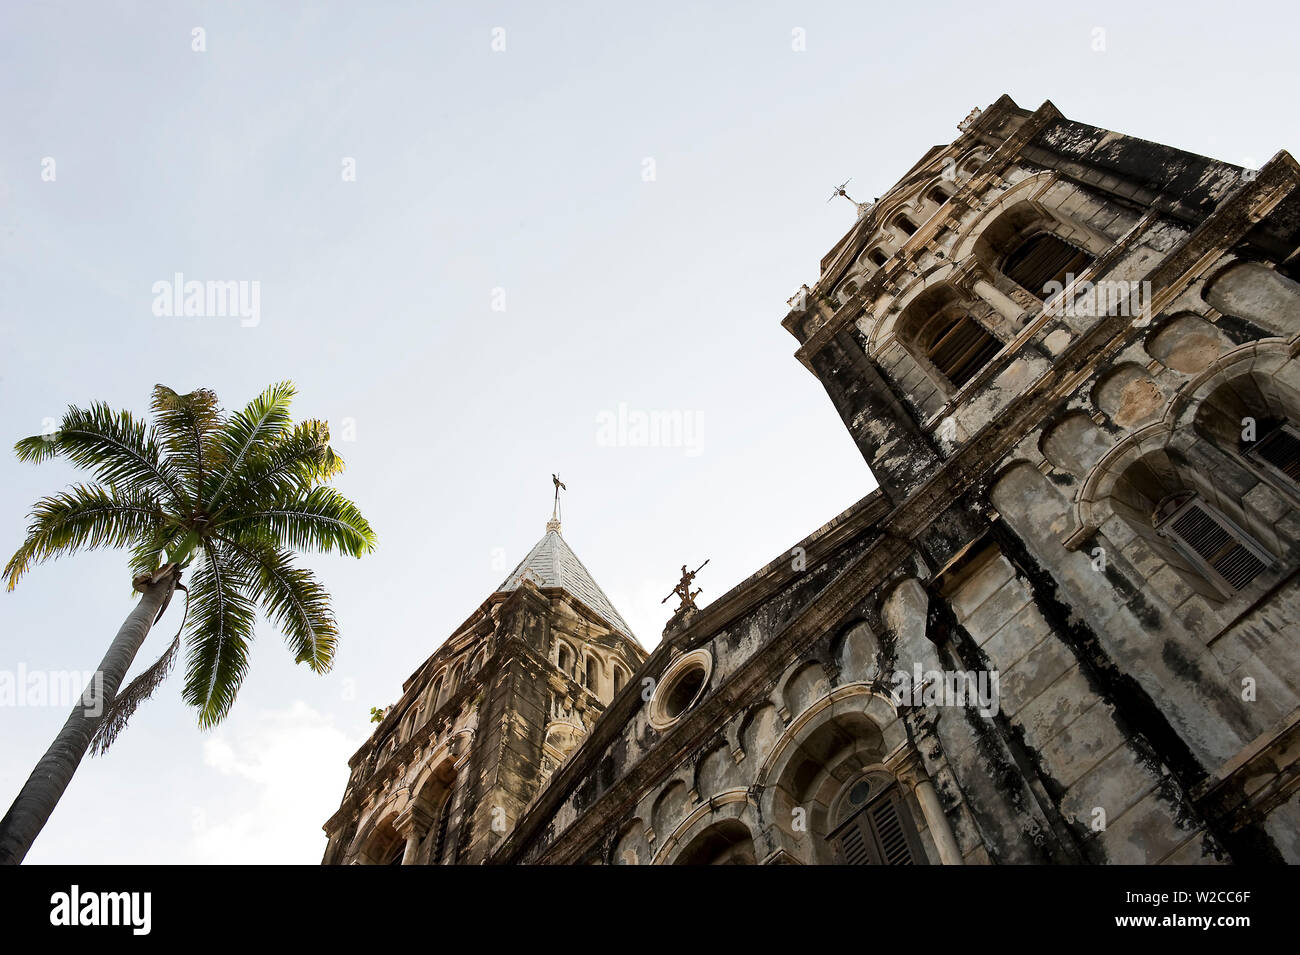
(1280,449)
(440,837)
(879,834)
(1043,259)
(1218,544)
(887,826)
(960,347)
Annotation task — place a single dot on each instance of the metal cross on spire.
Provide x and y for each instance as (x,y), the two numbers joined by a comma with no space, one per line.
(863,207)
(839,191)
(554,522)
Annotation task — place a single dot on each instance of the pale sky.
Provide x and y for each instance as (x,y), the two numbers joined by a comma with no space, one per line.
(484,177)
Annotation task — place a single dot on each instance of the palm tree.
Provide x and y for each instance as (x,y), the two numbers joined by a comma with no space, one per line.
(230,496)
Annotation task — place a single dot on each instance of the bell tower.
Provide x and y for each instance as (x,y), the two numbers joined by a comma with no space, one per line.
(484,722)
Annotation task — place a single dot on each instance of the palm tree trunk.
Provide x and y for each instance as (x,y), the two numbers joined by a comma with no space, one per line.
(44,788)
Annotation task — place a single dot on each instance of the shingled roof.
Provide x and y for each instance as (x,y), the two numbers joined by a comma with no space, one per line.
(552,563)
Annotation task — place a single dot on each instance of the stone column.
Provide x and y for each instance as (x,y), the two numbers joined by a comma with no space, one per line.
(913,775)
(412,825)
(974,280)
(1005,305)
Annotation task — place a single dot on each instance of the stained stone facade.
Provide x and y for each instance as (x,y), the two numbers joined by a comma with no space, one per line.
(1069,358)
(483,724)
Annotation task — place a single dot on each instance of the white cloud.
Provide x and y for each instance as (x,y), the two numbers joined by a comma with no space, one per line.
(287,769)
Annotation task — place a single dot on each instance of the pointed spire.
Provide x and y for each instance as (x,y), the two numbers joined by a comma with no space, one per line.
(551,563)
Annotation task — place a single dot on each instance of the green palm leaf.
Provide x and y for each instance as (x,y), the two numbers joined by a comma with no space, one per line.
(85,517)
(291,466)
(221,628)
(117,448)
(323,520)
(188,427)
(263,424)
(293,600)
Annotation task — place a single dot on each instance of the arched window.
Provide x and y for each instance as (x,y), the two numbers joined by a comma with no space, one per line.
(439,848)
(874,826)
(877,258)
(563,658)
(593,674)
(619,679)
(907,226)
(940,330)
(956,344)
(1042,259)
(724,843)
(435,689)
(937,195)
(1225,554)
(1277,449)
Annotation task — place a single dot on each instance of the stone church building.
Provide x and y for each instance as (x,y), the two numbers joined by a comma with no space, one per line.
(1065,628)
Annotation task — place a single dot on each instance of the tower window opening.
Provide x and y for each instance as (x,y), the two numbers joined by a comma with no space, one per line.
(1279,450)
(1043,259)
(957,345)
(906,224)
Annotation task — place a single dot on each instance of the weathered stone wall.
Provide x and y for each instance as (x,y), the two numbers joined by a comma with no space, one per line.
(455,762)
(1145,710)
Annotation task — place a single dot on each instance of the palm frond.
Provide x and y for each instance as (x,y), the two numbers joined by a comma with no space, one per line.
(294,601)
(291,466)
(323,520)
(123,706)
(188,425)
(219,636)
(84,517)
(263,423)
(119,449)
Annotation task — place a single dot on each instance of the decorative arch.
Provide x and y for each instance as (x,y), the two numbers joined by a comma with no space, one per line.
(1022,211)
(855,649)
(726,807)
(946,333)
(377,841)
(880,333)
(670,805)
(1128,395)
(1269,359)
(631,846)
(850,730)
(564,656)
(725,842)
(1256,293)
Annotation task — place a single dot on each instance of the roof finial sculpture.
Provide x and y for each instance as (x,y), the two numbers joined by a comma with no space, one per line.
(863,207)
(683,590)
(554,523)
